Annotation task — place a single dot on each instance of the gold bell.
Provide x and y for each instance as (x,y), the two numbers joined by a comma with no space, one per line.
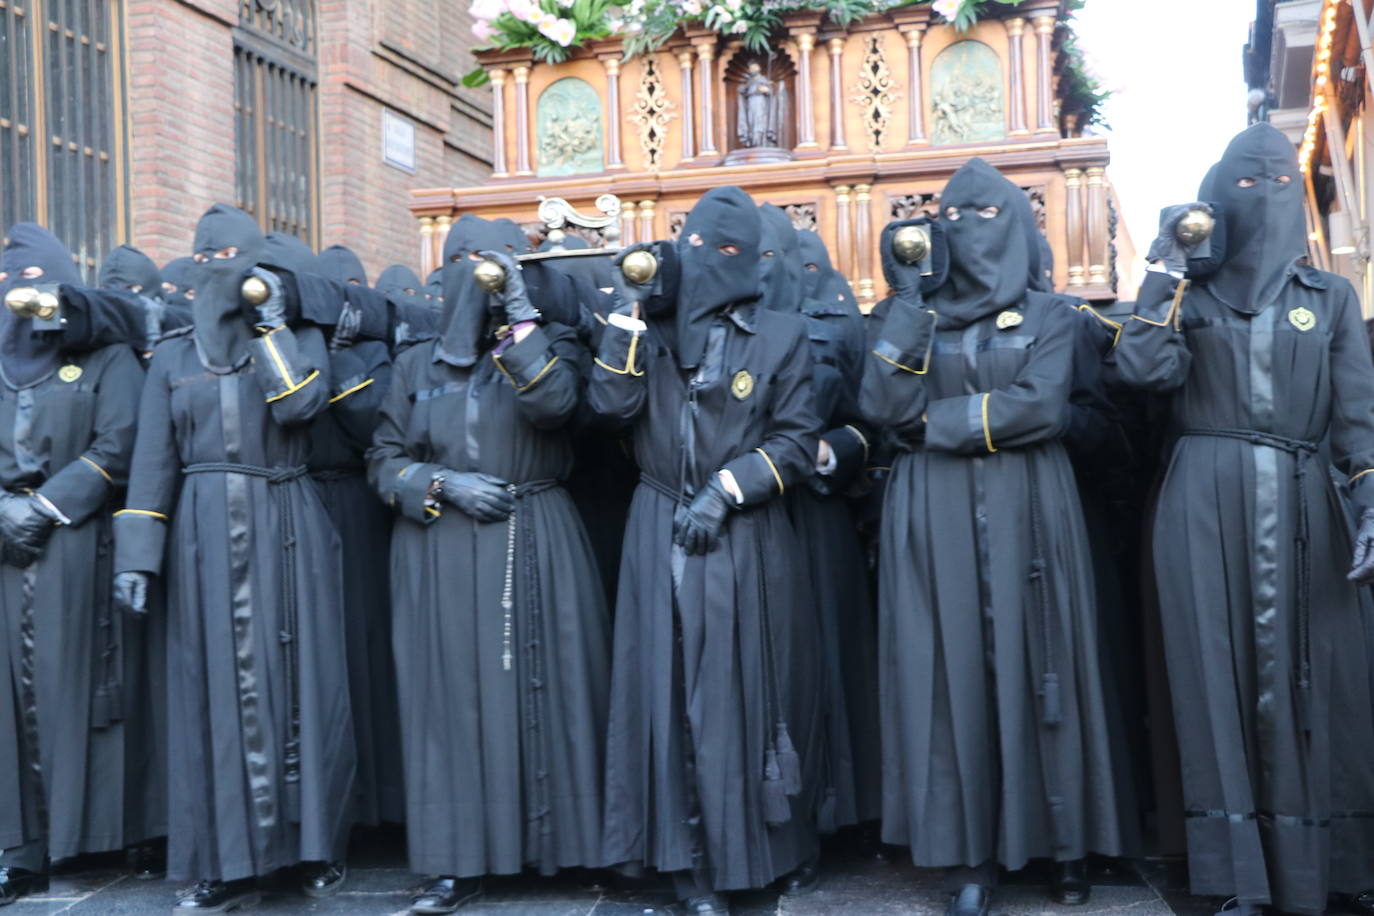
(19,299)
(911,244)
(1195,227)
(46,306)
(490,276)
(254,291)
(639,267)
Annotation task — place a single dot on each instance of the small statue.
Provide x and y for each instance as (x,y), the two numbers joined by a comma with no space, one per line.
(761,106)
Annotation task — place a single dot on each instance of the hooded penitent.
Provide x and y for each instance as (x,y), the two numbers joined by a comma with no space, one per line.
(280,249)
(32,255)
(990,251)
(228,244)
(340,264)
(400,283)
(434,288)
(780,263)
(181,274)
(1259,190)
(127,268)
(820,280)
(465,321)
(717,251)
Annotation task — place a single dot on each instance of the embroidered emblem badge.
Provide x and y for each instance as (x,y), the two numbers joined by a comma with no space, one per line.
(1302,319)
(69,372)
(1009,319)
(743,384)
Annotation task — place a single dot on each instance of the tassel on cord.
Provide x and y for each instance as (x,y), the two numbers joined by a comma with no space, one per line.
(789,762)
(776,810)
(1053,713)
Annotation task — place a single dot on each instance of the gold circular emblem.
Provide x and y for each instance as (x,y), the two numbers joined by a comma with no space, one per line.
(1302,319)
(69,372)
(743,384)
(1009,319)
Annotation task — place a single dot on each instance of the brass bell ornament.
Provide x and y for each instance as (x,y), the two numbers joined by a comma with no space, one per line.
(490,276)
(1195,227)
(27,302)
(911,244)
(254,291)
(639,267)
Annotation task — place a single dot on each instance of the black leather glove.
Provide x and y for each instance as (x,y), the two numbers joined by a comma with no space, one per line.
(271,313)
(481,496)
(350,320)
(131,592)
(1362,566)
(626,291)
(1166,247)
(696,527)
(25,525)
(514,298)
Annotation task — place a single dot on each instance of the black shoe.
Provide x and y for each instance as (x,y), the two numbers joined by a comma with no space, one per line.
(20,882)
(1071,887)
(220,896)
(706,905)
(323,879)
(800,882)
(970,900)
(448,894)
(148,861)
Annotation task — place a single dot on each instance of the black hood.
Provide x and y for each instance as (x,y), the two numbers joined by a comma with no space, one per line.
(434,288)
(340,264)
(1265,233)
(221,330)
(26,357)
(127,268)
(281,249)
(466,319)
(400,284)
(821,282)
(510,236)
(711,279)
(780,261)
(594,271)
(180,273)
(1042,272)
(990,259)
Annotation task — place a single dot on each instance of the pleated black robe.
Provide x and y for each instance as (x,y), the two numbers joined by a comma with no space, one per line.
(716,655)
(1277,783)
(219,503)
(339,439)
(75,703)
(503,708)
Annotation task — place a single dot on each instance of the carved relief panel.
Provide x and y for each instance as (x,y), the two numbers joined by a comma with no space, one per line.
(967,94)
(568,129)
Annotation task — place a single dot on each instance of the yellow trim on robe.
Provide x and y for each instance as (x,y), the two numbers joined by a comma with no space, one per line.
(356,388)
(102,472)
(290,391)
(987,431)
(774,468)
(141,512)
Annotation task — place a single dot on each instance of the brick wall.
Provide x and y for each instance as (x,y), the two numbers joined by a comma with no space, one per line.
(401,55)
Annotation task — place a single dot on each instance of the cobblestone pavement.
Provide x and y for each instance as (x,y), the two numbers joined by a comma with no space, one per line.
(379,885)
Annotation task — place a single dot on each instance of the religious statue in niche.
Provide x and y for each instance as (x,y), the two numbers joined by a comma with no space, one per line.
(966,94)
(568,137)
(760,128)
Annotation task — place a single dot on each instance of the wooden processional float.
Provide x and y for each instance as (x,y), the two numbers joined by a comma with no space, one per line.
(845,129)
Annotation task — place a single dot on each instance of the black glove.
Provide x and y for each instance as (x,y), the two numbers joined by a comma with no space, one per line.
(1362,566)
(131,592)
(271,313)
(514,298)
(696,528)
(25,525)
(481,496)
(1166,247)
(628,292)
(350,320)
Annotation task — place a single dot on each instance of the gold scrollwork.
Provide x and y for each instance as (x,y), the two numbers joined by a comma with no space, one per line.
(876,92)
(652,110)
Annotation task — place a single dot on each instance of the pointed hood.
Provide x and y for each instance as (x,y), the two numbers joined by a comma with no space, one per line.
(222,331)
(340,264)
(1259,190)
(990,257)
(780,262)
(26,357)
(127,268)
(465,320)
(281,249)
(180,275)
(821,282)
(718,251)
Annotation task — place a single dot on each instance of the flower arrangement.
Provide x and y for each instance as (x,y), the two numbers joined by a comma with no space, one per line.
(552,28)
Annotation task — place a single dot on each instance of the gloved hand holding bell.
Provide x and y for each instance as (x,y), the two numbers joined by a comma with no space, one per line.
(1196,226)
(639,267)
(911,244)
(490,276)
(30,302)
(255,291)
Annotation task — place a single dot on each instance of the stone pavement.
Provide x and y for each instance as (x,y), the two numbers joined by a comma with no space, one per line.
(380,885)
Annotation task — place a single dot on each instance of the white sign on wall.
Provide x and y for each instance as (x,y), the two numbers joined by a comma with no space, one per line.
(398,141)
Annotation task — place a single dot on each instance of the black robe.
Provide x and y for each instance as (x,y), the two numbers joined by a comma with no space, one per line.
(360,375)
(260,729)
(75,698)
(1276,778)
(715,669)
(503,710)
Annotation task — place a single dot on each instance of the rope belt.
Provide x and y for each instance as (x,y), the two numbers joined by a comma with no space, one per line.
(274,475)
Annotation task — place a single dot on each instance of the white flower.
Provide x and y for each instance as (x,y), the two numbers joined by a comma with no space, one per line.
(947,8)
(525,11)
(483,30)
(734,5)
(691,7)
(740,27)
(559,30)
(487,9)
(722,14)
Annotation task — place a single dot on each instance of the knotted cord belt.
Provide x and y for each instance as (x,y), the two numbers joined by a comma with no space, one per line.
(287,637)
(1301,450)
